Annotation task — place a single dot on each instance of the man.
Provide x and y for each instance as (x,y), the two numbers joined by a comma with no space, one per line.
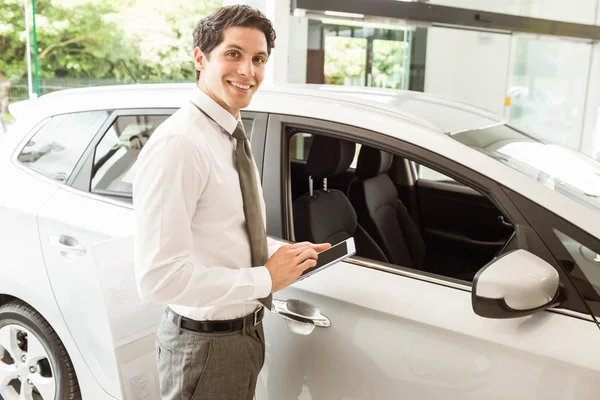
(200,241)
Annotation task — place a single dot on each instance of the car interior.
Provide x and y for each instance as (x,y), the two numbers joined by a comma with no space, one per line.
(436,225)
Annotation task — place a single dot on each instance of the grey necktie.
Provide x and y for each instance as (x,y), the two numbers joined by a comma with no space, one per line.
(252,210)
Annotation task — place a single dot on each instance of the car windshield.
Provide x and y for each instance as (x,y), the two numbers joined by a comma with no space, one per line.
(560,168)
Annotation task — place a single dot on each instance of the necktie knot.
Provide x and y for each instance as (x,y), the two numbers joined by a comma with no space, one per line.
(239,133)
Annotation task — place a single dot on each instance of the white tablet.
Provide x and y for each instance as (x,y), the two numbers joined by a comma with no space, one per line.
(331,256)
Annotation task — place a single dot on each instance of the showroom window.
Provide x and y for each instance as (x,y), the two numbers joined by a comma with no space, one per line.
(115,156)
(56,148)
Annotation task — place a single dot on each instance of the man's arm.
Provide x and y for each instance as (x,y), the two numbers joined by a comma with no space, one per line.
(172,175)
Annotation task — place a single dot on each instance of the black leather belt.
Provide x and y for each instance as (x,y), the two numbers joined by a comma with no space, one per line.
(230,325)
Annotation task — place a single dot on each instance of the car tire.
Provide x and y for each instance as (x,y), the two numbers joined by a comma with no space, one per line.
(31,351)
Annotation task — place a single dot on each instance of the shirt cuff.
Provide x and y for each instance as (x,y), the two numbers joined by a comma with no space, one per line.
(262,282)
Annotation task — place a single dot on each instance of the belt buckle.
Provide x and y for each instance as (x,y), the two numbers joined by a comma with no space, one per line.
(256,320)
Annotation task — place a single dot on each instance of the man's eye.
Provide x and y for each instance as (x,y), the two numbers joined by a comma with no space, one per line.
(232,54)
(259,60)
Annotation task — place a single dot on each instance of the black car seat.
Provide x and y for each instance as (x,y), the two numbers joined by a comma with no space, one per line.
(326,216)
(375,199)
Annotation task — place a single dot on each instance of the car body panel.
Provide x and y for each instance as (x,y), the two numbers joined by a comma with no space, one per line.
(87,220)
(23,257)
(393,336)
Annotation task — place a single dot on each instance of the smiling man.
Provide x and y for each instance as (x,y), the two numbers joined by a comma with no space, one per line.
(200,240)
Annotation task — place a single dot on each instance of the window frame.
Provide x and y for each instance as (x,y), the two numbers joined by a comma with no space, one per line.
(277,189)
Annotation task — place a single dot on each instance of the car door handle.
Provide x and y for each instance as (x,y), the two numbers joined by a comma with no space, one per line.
(299,311)
(67,244)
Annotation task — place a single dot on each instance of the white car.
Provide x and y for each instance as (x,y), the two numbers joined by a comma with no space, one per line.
(477,274)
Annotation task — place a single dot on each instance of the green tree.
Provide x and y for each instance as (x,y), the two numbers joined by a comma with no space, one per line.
(75,38)
(161,32)
(387,66)
(344,57)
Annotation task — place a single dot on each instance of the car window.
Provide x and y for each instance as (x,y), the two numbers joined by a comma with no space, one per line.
(584,267)
(429,174)
(576,176)
(57,146)
(439,230)
(300,147)
(115,155)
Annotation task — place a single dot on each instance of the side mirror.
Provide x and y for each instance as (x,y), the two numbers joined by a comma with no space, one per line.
(515,285)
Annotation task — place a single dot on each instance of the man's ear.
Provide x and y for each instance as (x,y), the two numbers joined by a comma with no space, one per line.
(199,59)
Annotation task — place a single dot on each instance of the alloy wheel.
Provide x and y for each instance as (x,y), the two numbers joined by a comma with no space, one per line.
(26,371)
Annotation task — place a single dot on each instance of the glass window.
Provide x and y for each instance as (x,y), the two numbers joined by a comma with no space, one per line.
(115,156)
(547,86)
(575,176)
(429,174)
(584,268)
(55,149)
(300,147)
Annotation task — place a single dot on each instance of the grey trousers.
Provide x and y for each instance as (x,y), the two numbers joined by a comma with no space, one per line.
(208,366)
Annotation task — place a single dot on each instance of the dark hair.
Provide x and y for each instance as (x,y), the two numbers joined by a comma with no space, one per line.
(209,30)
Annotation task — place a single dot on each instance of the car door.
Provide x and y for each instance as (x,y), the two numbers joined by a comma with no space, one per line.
(401,333)
(93,207)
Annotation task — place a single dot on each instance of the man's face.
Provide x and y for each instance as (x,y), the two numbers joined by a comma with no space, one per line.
(234,69)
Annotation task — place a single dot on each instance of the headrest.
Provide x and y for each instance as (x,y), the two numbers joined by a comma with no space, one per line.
(372,162)
(329,157)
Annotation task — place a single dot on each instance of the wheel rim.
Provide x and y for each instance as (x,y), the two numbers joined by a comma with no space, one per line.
(26,372)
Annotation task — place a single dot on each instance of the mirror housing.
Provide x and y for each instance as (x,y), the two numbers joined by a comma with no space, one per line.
(517,284)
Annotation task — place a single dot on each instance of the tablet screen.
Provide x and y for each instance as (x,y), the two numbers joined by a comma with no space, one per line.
(332,254)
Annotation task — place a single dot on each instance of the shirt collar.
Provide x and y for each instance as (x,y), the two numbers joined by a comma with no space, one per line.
(220,115)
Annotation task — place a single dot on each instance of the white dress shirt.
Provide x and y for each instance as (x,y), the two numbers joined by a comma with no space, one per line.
(192,250)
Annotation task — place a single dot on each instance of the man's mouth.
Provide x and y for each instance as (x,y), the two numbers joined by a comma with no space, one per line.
(240,85)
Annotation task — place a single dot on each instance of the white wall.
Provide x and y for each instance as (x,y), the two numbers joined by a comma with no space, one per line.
(298,45)
(468,66)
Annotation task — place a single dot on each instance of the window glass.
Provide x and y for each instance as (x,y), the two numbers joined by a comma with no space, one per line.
(300,147)
(55,149)
(585,271)
(559,168)
(442,231)
(429,174)
(115,156)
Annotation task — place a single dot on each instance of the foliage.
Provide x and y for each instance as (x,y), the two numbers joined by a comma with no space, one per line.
(387,64)
(161,32)
(344,59)
(75,38)
(89,38)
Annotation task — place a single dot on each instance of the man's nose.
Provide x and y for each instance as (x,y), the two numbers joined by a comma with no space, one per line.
(246,68)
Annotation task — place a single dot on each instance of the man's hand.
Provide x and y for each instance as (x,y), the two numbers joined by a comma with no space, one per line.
(289,261)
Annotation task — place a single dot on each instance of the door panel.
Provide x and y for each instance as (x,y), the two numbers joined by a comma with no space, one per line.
(457,220)
(400,337)
(80,221)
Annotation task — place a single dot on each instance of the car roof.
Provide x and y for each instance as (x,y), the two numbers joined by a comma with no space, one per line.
(435,113)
